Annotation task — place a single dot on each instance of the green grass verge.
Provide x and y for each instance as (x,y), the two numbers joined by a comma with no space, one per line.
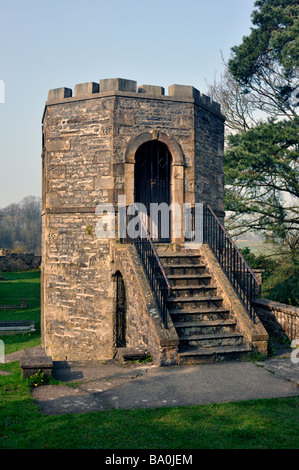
(16,286)
(256,247)
(254,424)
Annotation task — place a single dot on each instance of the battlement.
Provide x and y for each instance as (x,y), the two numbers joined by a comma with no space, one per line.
(93,90)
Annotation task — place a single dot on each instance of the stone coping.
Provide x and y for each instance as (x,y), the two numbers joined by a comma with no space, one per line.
(272,305)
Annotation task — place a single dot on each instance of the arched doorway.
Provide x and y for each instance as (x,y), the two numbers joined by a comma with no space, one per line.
(120,311)
(152,184)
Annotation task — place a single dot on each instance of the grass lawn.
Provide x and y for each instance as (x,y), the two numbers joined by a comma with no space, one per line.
(256,247)
(254,424)
(17,286)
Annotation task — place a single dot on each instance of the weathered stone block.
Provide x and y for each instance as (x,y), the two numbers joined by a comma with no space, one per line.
(131,354)
(88,88)
(205,100)
(59,93)
(151,90)
(58,145)
(103,182)
(33,360)
(183,91)
(117,84)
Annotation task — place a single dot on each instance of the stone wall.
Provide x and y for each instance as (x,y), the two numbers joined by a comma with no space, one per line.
(77,292)
(144,325)
(209,171)
(280,320)
(10,261)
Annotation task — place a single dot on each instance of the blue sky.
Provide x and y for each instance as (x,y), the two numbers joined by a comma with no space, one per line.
(46,45)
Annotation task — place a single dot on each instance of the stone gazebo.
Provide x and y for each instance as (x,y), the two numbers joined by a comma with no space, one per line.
(106,140)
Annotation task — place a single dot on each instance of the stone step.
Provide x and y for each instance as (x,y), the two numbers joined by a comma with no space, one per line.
(211,340)
(194,302)
(184,268)
(184,279)
(168,258)
(194,328)
(211,355)
(131,354)
(199,314)
(191,291)
(35,359)
(178,254)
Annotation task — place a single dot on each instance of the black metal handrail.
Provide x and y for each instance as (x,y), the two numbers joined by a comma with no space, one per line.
(239,273)
(153,267)
(234,265)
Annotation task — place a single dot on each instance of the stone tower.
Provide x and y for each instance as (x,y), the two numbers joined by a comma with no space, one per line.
(106,140)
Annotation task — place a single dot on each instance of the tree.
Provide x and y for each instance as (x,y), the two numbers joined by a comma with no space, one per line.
(267,61)
(259,96)
(280,276)
(238,107)
(20,225)
(261,173)
(261,162)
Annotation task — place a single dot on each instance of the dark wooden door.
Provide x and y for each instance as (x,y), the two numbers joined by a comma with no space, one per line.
(152,183)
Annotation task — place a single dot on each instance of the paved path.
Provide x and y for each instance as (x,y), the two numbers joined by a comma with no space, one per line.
(113,385)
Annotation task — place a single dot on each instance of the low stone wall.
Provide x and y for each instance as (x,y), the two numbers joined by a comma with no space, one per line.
(10,261)
(15,327)
(23,304)
(279,320)
(144,325)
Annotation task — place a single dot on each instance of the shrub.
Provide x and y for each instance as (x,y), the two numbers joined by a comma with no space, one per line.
(283,286)
(260,262)
(280,278)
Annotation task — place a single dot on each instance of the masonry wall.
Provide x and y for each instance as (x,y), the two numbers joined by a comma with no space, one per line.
(143,322)
(137,115)
(78,149)
(10,261)
(209,171)
(77,293)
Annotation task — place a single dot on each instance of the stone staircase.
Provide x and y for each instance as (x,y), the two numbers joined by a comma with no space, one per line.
(206,329)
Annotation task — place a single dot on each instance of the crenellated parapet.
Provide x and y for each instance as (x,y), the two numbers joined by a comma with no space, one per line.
(121,85)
